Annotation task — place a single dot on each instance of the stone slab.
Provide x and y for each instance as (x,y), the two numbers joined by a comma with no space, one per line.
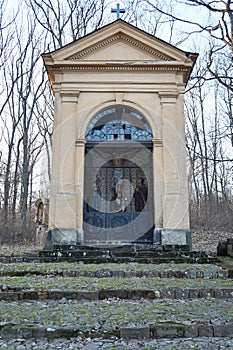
(141,294)
(230,249)
(86,295)
(191,331)
(9,296)
(205,330)
(223,331)
(135,332)
(173,237)
(108,294)
(61,236)
(167,330)
(59,294)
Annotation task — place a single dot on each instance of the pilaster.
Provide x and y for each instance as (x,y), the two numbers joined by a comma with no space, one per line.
(175,213)
(158,181)
(63,197)
(79,185)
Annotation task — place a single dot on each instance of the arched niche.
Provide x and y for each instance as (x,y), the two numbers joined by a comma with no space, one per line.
(118,180)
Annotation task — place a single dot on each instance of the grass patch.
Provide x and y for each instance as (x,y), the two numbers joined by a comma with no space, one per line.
(94,284)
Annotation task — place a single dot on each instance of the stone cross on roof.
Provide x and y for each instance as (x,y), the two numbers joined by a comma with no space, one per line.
(118,10)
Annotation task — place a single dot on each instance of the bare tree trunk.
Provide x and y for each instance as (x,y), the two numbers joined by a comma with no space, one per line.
(16,180)
(25,172)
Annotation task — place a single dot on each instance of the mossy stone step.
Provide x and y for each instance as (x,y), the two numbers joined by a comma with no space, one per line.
(168,330)
(147,254)
(129,294)
(119,260)
(132,251)
(122,248)
(186,273)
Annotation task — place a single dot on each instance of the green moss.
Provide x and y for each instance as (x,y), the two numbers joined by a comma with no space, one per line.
(63,267)
(110,315)
(45,283)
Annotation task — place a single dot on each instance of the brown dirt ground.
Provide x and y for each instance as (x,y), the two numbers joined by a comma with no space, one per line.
(208,240)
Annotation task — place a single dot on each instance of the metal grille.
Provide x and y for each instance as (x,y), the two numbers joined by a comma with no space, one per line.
(110,207)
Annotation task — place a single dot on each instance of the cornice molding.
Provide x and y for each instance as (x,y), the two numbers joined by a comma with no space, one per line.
(119,68)
(119,37)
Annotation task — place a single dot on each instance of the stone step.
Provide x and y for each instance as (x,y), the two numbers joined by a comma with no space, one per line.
(119,260)
(127,294)
(147,254)
(161,330)
(166,251)
(110,260)
(213,272)
(170,301)
(100,343)
(100,254)
(95,284)
(124,248)
(148,319)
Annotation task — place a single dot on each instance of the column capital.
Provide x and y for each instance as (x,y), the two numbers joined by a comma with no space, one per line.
(157,142)
(169,96)
(80,143)
(69,96)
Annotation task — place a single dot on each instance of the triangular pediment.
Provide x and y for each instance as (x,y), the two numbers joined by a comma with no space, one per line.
(118,41)
(120,47)
(119,44)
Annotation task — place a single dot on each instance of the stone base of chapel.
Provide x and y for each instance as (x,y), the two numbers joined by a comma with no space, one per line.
(160,237)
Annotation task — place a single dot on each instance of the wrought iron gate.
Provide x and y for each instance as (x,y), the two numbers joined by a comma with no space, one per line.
(118,204)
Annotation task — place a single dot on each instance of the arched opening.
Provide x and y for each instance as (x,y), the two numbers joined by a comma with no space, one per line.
(118,191)
(119,123)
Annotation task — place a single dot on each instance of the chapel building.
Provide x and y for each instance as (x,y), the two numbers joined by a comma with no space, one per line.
(119,158)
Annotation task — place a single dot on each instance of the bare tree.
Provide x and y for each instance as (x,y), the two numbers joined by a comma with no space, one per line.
(218,28)
(208,146)
(29,94)
(24,84)
(67,21)
(10,117)
(222,26)
(44,111)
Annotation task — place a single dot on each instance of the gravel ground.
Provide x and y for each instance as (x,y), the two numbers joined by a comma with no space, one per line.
(108,315)
(113,344)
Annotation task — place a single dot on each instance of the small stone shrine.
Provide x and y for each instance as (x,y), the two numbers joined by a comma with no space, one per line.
(119,160)
(41,219)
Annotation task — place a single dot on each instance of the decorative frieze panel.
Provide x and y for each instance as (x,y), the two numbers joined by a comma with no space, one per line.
(119,37)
